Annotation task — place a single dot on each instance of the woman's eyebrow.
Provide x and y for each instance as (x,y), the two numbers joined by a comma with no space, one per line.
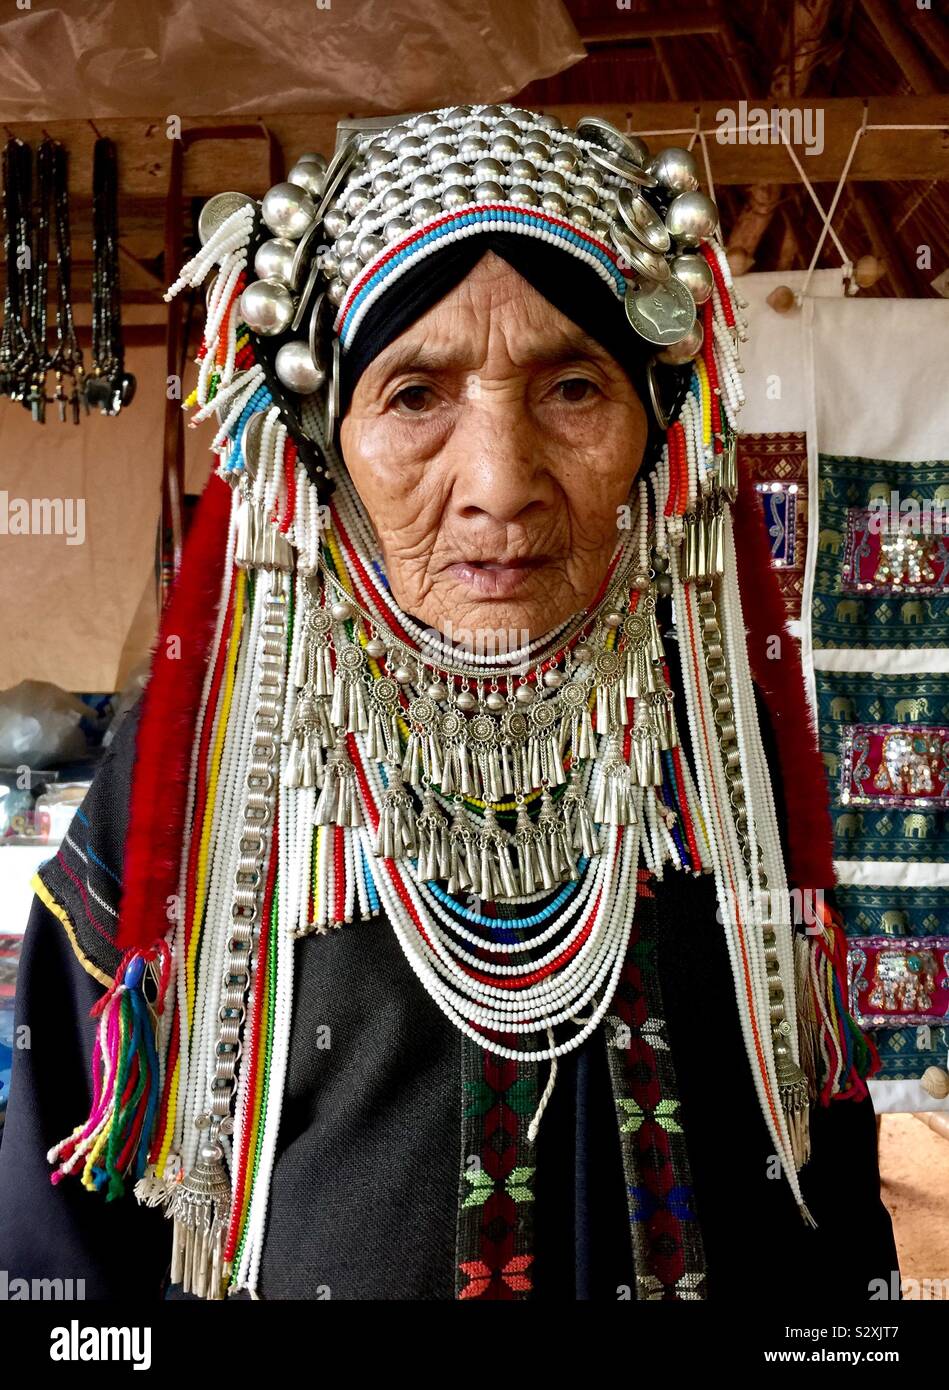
(425,357)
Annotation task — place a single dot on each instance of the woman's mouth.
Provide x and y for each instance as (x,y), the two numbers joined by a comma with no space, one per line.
(498,578)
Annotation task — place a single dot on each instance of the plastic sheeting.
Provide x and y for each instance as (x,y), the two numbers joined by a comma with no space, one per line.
(194,58)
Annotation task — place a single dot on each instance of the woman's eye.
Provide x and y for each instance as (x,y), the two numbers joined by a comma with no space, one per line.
(575,389)
(413,399)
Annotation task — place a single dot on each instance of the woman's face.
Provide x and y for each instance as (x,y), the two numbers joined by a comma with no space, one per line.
(492,444)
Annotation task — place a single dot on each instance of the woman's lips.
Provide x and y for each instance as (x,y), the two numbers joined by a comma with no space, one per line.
(497,578)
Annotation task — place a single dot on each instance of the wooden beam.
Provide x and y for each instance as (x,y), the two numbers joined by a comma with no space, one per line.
(213,166)
(631,27)
(893,31)
(935,36)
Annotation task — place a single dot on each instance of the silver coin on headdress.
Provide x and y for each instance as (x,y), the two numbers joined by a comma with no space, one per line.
(601,132)
(662,314)
(649,265)
(641,220)
(217,210)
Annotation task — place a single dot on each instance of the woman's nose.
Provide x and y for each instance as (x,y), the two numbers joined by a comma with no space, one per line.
(501,465)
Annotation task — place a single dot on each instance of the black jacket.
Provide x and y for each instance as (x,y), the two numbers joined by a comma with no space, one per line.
(365,1188)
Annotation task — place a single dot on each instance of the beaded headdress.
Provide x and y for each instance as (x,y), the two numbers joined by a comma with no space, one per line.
(498,809)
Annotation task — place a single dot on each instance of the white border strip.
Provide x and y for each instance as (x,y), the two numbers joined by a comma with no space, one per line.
(813,508)
(891,873)
(893,661)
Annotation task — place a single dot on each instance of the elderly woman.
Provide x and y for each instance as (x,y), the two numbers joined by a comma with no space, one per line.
(454,954)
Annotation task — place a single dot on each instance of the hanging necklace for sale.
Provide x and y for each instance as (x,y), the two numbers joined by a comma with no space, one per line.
(107,384)
(66,358)
(16,347)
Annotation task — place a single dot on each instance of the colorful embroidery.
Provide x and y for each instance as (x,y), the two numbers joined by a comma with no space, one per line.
(893,983)
(882,557)
(495,1228)
(667,1243)
(895,765)
(777,464)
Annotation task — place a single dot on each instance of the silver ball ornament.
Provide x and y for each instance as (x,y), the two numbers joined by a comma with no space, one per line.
(287,210)
(694,272)
(296,369)
(675,169)
(691,217)
(274,259)
(267,307)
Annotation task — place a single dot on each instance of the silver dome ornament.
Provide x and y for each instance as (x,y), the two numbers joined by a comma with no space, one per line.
(488,169)
(369,247)
(625,168)
(565,158)
(425,186)
(335,222)
(336,291)
(474,127)
(642,221)
(685,350)
(287,210)
(396,199)
(536,152)
(455,196)
(313,157)
(411,166)
(524,169)
(410,144)
(553,178)
(357,200)
(441,152)
(459,113)
(602,133)
(329,263)
(267,307)
(456,171)
(440,133)
(523,193)
(581,216)
(554,202)
(396,228)
(349,267)
(378,159)
(662,314)
(383,180)
(488,192)
(425,123)
(273,260)
(675,169)
(309,177)
(695,273)
(425,208)
(473,147)
(296,369)
(585,194)
(490,113)
(594,177)
(691,218)
(508,127)
(648,265)
(551,123)
(217,210)
(345,244)
(504,145)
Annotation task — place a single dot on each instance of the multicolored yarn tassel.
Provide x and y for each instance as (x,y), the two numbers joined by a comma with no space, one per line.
(835,1052)
(112,1145)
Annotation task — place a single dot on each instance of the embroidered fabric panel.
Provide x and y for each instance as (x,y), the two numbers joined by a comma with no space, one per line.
(895,765)
(895,982)
(667,1242)
(879,537)
(896,553)
(873,704)
(495,1225)
(777,464)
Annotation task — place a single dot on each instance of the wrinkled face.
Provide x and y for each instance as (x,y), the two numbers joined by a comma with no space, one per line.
(492,444)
